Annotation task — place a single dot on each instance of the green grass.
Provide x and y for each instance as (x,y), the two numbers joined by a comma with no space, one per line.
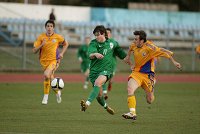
(176,110)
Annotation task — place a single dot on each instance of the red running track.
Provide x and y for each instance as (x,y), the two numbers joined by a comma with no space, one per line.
(71,78)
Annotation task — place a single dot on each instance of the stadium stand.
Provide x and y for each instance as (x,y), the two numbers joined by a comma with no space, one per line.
(160,26)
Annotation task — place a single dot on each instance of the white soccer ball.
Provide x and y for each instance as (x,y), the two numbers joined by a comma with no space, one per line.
(57,83)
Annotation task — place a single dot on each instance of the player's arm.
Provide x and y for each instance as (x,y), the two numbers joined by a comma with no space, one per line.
(36,47)
(161,52)
(65,46)
(92,51)
(79,55)
(176,64)
(127,58)
(96,55)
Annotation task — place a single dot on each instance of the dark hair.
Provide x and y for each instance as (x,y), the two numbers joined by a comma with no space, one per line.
(100,29)
(141,34)
(50,21)
(108,29)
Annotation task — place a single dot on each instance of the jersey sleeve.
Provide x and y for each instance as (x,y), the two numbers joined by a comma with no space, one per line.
(159,52)
(131,47)
(38,41)
(61,39)
(119,52)
(92,48)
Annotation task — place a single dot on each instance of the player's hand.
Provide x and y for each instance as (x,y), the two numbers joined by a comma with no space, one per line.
(127,60)
(178,65)
(58,61)
(99,56)
(43,42)
(132,67)
(60,56)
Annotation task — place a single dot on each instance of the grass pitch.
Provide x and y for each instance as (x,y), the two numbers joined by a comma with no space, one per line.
(176,110)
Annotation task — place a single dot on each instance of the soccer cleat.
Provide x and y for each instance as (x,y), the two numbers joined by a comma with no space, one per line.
(83,105)
(44,101)
(58,96)
(59,99)
(110,110)
(129,115)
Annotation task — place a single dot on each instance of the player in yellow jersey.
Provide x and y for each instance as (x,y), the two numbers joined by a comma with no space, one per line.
(198,50)
(143,69)
(47,44)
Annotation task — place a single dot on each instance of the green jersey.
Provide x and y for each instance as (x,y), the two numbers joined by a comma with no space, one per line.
(83,54)
(108,49)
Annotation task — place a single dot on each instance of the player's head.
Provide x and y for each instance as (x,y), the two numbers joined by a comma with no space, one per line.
(109,32)
(100,33)
(50,22)
(49,26)
(140,38)
(87,40)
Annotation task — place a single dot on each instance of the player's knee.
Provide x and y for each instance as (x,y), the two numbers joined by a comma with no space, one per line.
(150,99)
(130,91)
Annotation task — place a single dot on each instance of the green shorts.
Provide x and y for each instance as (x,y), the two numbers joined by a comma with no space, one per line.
(94,75)
(84,67)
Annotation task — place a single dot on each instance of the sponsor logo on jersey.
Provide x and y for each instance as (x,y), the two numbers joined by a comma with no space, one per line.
(54,40)
(111,45)
(144,54)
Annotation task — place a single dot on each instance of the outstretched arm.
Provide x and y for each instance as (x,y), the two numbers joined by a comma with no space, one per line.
(176,64)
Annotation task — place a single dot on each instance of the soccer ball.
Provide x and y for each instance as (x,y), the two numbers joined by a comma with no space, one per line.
(57,83)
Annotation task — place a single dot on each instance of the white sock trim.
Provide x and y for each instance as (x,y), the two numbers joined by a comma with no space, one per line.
(88,103)
(104,91)
(105,105)
(132,109)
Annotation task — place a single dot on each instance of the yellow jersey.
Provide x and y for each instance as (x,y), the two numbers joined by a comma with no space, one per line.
(50,49)
(145,56)
(198,49)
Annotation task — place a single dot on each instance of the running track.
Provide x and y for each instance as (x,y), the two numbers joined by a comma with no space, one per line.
(72,78)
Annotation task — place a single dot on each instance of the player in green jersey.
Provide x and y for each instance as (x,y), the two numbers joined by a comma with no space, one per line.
(104,86)
(101,51)
(83,58)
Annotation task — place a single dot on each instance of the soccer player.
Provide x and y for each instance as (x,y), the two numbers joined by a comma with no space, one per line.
(49,56)
(145,53)
(101,51)
(109,87)
(198,50)
(83,58)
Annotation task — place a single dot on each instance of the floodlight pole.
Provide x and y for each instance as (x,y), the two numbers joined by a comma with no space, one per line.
(193,50)
(24,45)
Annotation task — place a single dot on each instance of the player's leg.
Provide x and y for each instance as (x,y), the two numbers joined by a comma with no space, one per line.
(95,92)
(47,79)
(110,84)
(150,97)
(105,92)
(131,88)
(86,82)
(58,92)
(149,90)
(100,98)
(47,74)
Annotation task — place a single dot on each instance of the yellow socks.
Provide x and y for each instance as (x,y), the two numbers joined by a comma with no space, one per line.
(46,86)
(132,104)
